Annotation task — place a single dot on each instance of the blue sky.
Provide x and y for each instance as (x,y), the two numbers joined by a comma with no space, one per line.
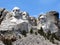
(33,7)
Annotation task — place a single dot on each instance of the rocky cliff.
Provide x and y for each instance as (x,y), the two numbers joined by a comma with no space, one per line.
(16,28)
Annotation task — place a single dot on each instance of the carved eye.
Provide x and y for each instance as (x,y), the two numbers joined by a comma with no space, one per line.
(15,10)
(23,14)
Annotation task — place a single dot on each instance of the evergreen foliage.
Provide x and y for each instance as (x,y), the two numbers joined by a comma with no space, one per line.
(24,33)
(41,31)
(35,33)
(31,31)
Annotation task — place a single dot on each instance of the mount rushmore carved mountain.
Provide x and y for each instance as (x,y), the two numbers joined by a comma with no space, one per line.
(19,28)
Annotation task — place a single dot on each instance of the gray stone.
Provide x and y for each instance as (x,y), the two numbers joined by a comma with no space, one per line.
(3,13)
(32,40)
(53,16)
(1,9)
(1,43)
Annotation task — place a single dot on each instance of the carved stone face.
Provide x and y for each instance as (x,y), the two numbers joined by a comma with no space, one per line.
(43,19)
(16,11)
(25,15)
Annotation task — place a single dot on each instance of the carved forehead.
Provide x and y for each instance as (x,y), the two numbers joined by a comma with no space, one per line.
(42,16)
(16,8)
(25,13)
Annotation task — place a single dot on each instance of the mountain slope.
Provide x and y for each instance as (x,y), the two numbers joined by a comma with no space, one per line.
(33,40)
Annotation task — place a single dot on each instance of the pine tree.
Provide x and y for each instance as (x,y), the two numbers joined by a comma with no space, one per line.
(31,31)
(35,33)
(24,33)
(41,31)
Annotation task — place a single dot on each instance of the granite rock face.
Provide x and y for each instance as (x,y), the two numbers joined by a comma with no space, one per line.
(59,23)
(33,21)
(33,40)
(53,16)
(49,21)
(3,13)
(1,43)
(14,22)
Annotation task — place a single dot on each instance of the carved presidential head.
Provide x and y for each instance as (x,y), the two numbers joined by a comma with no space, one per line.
(16,9)
(25,15)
